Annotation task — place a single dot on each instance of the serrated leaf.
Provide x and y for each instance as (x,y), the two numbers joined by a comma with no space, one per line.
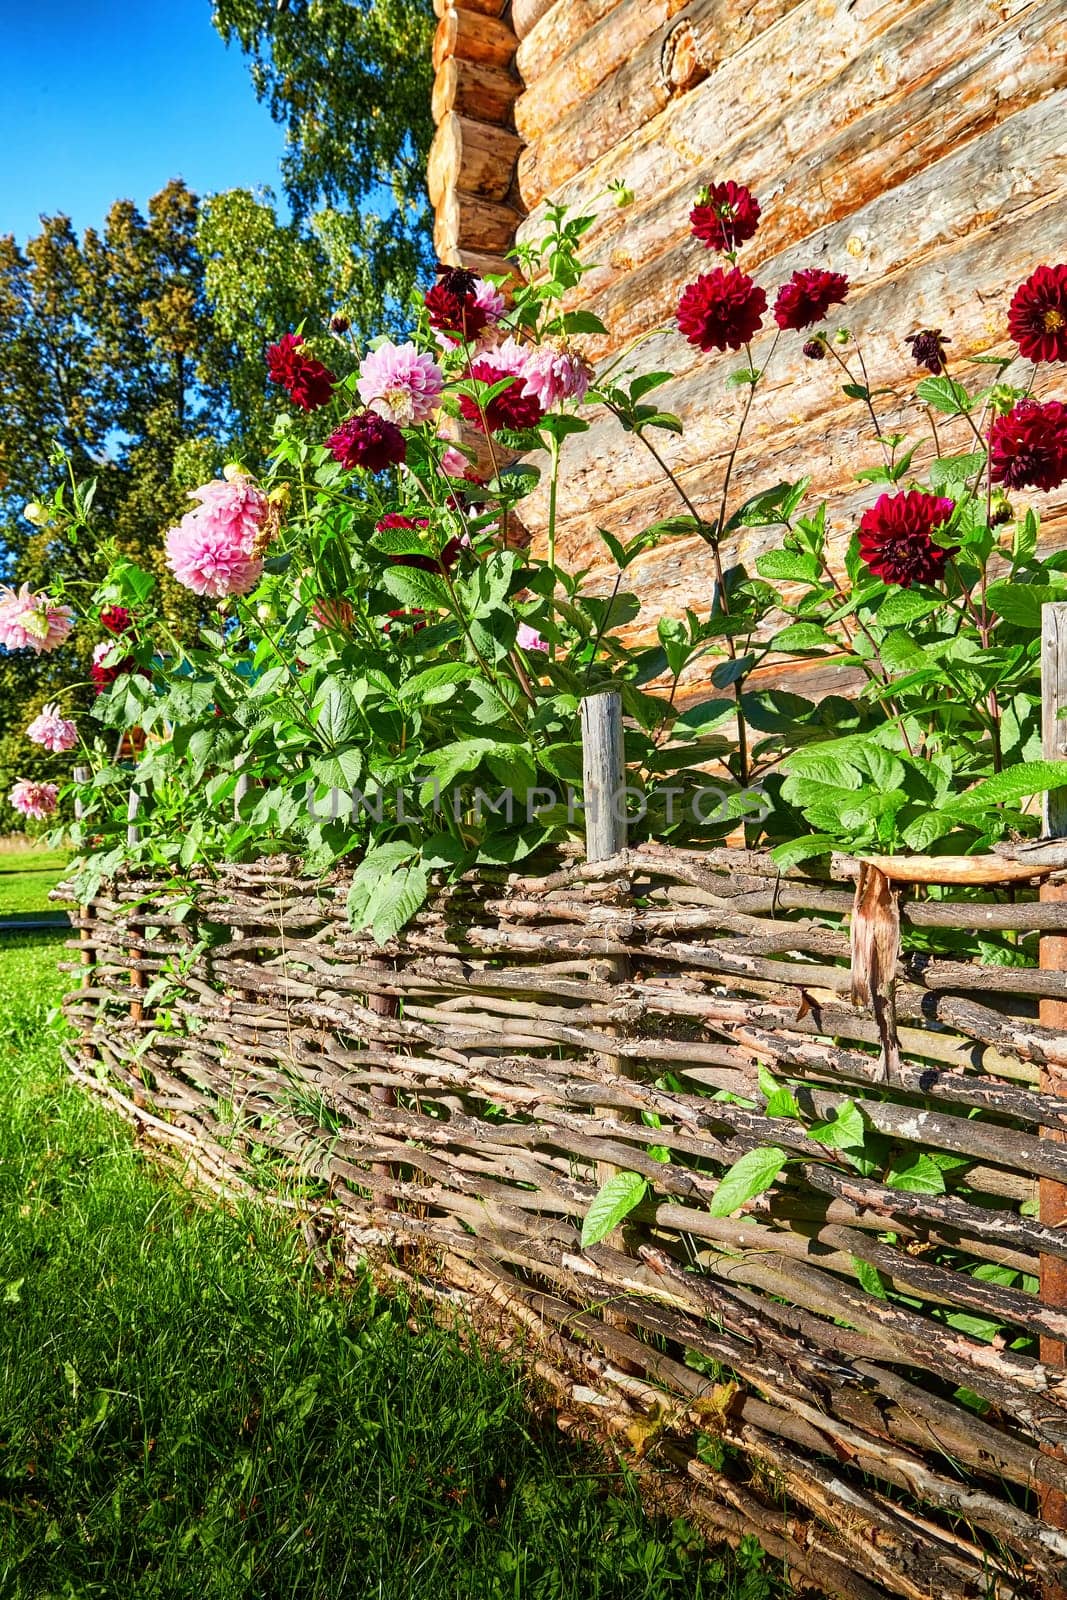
(622,1192)
(919,1175)
(788,565)
(1013,784)
(944,394)
(796,850)
(869,1277)
(412,587)
(752,1175)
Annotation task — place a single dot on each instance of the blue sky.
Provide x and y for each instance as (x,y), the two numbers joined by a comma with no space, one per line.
(107,99)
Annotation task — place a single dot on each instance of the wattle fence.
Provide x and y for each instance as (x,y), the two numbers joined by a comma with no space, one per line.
(865,1368)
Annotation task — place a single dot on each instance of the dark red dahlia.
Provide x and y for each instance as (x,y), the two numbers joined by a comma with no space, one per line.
(726,215)
(1037,316)
(511,408)
(368,440)
(815,349)
(452,306)
(116,619)
(415,616)
(1028,447)
(442,563)
(103,677)
(808,296)
(721,310)
(306,381)
(895,537)
(928,349)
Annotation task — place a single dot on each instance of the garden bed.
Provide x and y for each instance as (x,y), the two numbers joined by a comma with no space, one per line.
(859,1367)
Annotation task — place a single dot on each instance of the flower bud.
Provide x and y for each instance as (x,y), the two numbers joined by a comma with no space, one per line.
(1000,509)
(339,323)
(233,473)
(264,611)
(842,336)
(35,512)
(815,349)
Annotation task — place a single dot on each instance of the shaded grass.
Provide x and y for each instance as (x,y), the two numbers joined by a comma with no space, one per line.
(185,1412)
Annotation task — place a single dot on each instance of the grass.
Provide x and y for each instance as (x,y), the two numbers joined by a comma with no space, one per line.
(27,875)
(185,1411)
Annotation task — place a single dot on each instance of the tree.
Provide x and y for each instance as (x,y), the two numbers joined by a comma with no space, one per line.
(350,82)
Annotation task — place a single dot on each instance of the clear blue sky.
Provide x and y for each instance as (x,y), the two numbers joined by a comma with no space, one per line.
(103,100)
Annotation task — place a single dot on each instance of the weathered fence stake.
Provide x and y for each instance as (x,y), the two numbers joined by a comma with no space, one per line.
(136,950)
(83,774)
(1053,957)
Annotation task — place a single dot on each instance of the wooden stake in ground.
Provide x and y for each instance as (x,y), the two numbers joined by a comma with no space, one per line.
(1053,957)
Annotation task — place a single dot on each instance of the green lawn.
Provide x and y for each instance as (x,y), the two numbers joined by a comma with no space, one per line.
(186,1412)
(26,877)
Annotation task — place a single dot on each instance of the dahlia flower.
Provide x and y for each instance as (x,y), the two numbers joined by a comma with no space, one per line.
(725,216)
(1028,447)
(928,349)
(400,384)
(489,299)
(808,296)
(895,540)
(216,550)
(103,672)
(513,407)
(554,375)
(454,464)
(368,440)
(32,621)
(457,307)
(37,800)
(1037,316)
(116,619)
(53,731)
(721,310)
(305,380)
(528,638)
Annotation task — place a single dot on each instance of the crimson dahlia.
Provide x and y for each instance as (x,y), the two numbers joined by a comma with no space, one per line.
(727,214)
(895,537)
(368,440)
(116,619)
(1028,447)
(808,296)
(721,310)
(453,304)
(511,408)
(305,380)
(1037,316)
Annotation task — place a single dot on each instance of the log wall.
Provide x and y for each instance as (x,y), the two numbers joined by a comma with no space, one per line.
(859,1369)
(916,145)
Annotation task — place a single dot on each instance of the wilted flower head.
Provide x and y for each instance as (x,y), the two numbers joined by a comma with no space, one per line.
(513,407)
(334,612)
(528,638)
(895,540)
(305,380)
(928,349)
(554,375)
(1037,316)
(37,800)
(400,384)
(369,441)
(725,216)
(31,621)
(808,296)
(1028,447)
(52,730)
(721,310)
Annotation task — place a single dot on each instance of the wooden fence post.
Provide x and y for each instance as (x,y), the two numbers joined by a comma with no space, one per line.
(136,947)
(1053,957)
(83,774)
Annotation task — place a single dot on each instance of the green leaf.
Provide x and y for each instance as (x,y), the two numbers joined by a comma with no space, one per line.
(752,1175)
(869,1277)
(339,716)
(622,1192)
(955,469)
(856,391)
(920,1175)
(908,605)
(395,900)
(788,565)
(843,1130)
(412,587)
(944,394)
(795,850)
(1013,784)
(1021,603)
(804,636)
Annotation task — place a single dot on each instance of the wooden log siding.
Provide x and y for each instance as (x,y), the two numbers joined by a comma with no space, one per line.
(475,1076)
(914,146)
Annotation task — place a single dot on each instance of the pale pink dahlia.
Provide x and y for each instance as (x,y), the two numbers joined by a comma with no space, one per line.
(32,621)
(400,384)
(216,550)
(52,730)
(489,300)
(554,375)
(37,800)
(529,639)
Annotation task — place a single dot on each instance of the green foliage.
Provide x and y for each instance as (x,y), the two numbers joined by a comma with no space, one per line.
(620,1194)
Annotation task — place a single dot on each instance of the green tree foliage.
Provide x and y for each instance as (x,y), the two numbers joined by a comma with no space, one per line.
(350,83)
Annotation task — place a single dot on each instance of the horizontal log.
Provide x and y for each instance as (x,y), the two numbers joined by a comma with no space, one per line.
(485,8)
(477,158)
(464,223)
(592,56)
(546,37)
(526,14)
(474,37)
(474,90)
(974,871)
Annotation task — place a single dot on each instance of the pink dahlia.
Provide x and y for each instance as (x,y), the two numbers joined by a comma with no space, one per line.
(513,407)
(368,440)
(52,730)
(528,638)
(217,549)
(1028,447)
(554,375)
(37,800)
(400,384)
(32,621)
(895,537)
(454,464)
(808,296)
(721,310)
(726,215)
(1037,316)
(489,300)
(305,380)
